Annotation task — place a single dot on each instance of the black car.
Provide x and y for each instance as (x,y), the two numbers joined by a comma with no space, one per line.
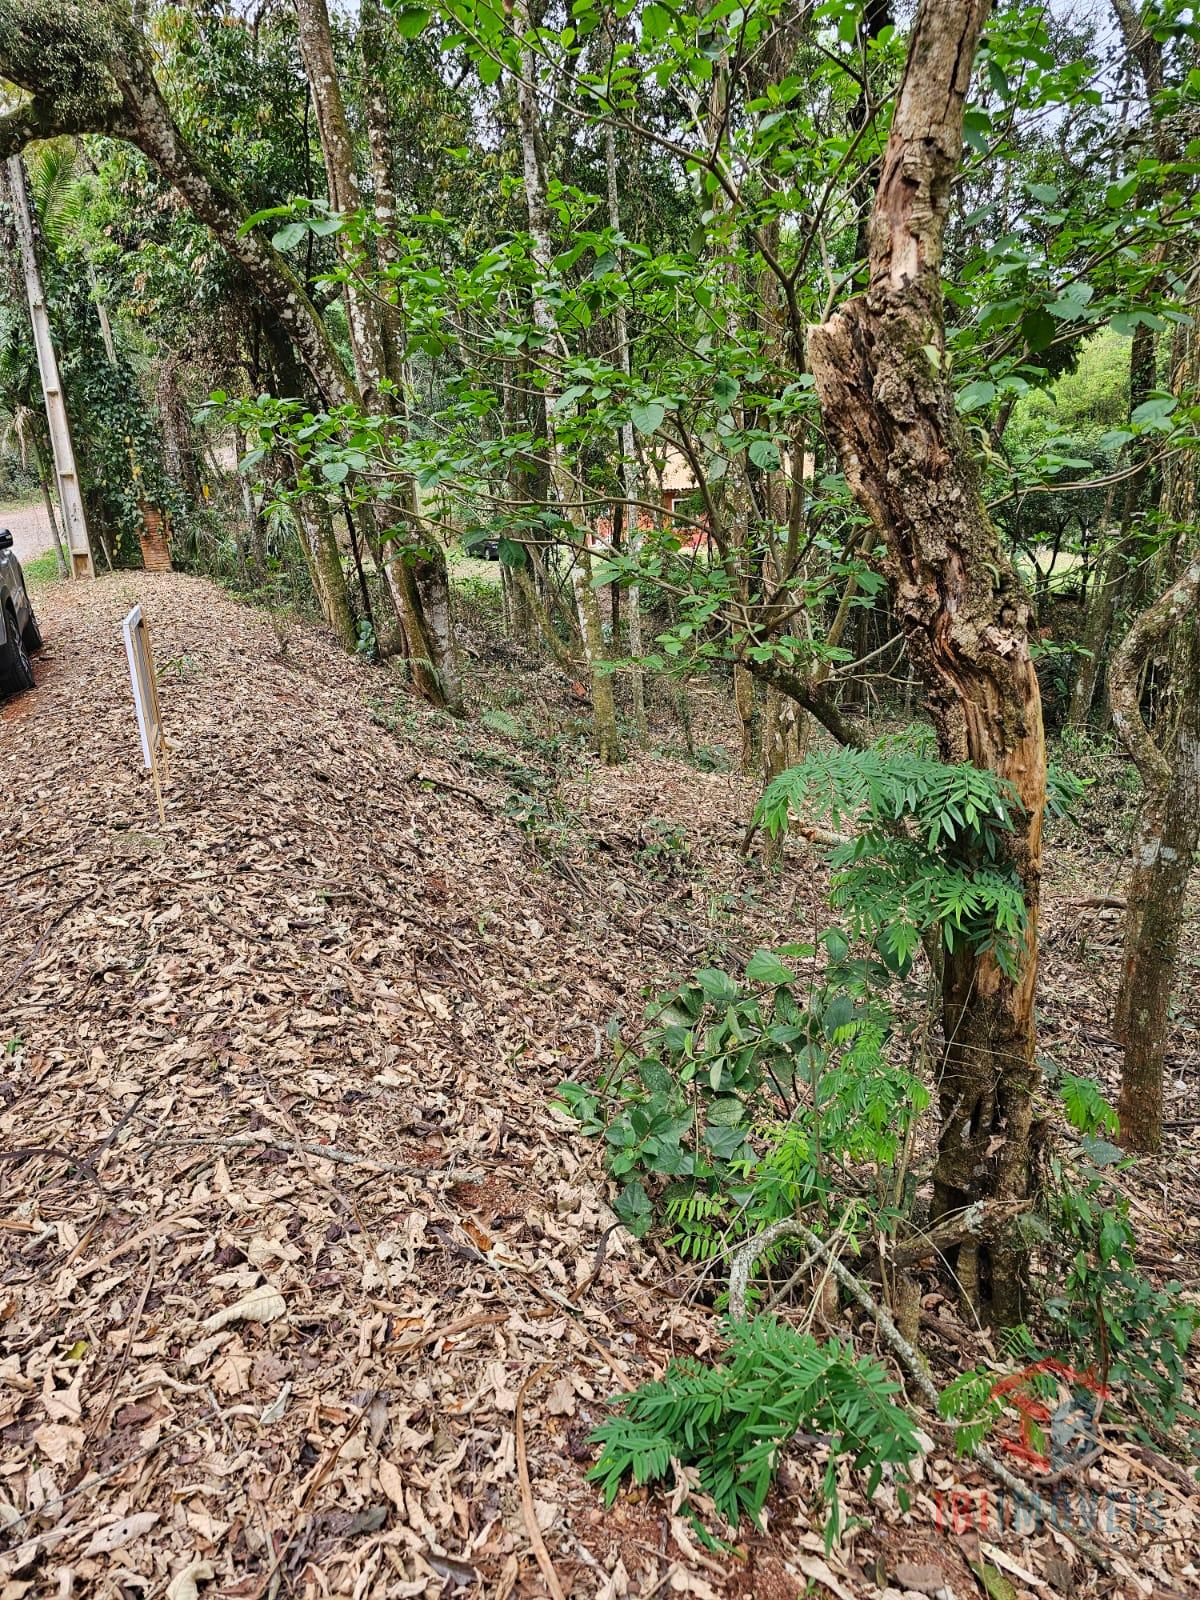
(19,636)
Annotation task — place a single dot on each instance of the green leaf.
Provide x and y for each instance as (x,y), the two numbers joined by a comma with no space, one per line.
(634,1208)
(724,1142)
(287,237)
(1072,303)
(725,390)
(1118,195)
(726,1112)
(647,418)
(717,985)
(839,1014)
(1101,1151)
(410,22)
(765,455)
(335,471)
(974,395)
(1156,409)
(765,966)
(1037,328)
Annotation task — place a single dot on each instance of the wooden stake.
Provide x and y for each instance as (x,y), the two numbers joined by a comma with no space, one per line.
(162,816)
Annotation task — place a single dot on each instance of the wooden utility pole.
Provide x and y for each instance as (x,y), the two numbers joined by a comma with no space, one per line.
(70,498)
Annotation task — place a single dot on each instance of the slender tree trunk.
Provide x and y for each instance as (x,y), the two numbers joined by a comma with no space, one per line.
(960,603)
(603,707)
(1168,760)
(316,528)
(60,555)
(373,42)
(313,520)
(630,467)
(1098,621)
(1103,606)
(1168,835)
(413,558)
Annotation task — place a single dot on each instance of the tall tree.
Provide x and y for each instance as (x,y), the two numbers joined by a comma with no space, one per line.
(86,68)
(562,482)
(888,403)
(413,559)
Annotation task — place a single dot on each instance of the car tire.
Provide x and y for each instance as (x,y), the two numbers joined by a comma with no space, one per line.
(32,636)
(16,669)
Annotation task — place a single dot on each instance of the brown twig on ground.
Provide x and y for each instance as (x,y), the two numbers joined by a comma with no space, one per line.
(527,1507)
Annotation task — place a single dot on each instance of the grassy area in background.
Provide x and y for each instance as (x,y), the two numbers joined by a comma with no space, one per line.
(464,566)
(42,569)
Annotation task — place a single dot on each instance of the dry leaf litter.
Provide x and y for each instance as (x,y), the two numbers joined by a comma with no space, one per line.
(303,1288)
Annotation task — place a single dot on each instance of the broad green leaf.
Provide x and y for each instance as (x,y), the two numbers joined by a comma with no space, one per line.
(410,22)
(287,237)
(647,418)
(765,455)
(974,395)
(765,966)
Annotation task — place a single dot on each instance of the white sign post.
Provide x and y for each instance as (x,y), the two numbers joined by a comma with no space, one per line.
(145,699)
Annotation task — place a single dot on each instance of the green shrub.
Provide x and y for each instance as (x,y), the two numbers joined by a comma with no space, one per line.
(929,852)
(743,1099)
(731,1420)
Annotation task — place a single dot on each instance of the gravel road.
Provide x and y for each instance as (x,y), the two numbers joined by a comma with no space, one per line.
(30,530)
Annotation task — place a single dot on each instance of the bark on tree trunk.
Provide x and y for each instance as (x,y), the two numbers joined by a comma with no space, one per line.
(372,44)
(630,466)
(1103,606)
(889,407)
(414,561)
(1169,762)
(316,530)
(608,742)
(1168,836)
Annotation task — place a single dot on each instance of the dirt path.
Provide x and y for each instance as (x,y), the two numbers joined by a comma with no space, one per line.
(321,951)
(30,531)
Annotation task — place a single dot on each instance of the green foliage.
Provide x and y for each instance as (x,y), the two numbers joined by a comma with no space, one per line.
(1087,1109)
(1106,1312)
(969,1401)
(929,854)
(42,569)
(731,1420)
(743,1099)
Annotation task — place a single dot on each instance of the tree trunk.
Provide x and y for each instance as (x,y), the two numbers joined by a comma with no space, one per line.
(1168,836)
(890,411)
(421,589)
(373,45)
(604,711)
(630,468)
(60,555)
(316,529)
(1103,606)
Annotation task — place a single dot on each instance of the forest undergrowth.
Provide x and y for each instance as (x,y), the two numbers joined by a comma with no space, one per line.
(313,1267)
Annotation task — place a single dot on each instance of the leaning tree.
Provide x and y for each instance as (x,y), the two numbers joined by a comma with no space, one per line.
(86,68)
